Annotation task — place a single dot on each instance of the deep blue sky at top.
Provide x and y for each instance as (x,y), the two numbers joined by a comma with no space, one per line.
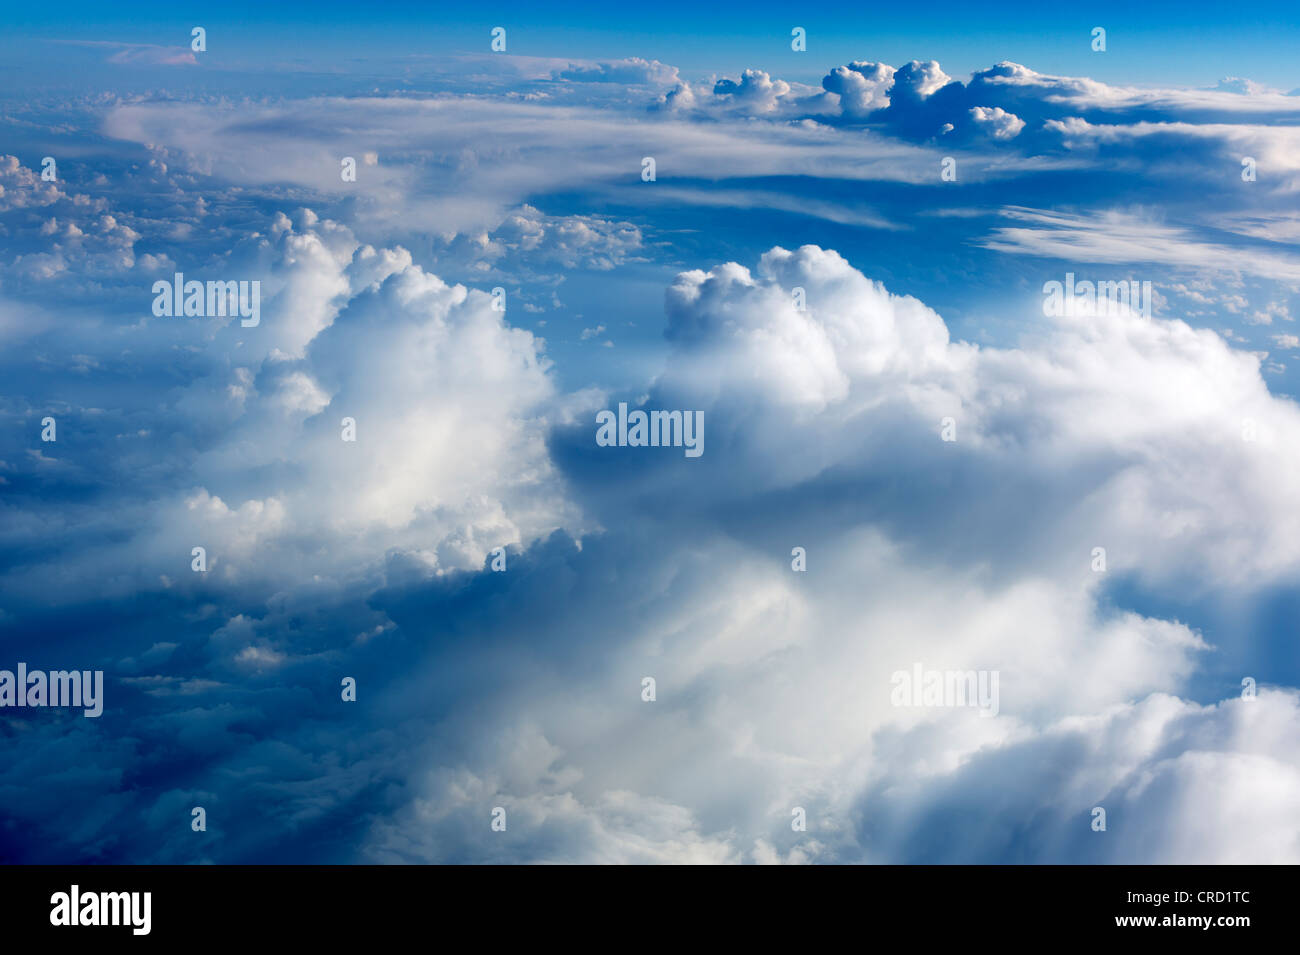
(1185,44)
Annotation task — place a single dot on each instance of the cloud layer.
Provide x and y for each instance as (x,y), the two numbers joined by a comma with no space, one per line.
(906,464)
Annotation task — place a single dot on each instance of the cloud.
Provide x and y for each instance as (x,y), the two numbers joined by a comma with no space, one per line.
(21,188)
(1180,783)
(756,92)
(1236,84)
(1013,82)
(846,213)
(1125,238)
(528,240)
(919,102)
(824,393)
(471,167)
(862,87)
(678,99)
(773,687)
(1272,147)
(857,350)
(1000,123)
(141,54)
(521,689)
(628,71)
(451,406)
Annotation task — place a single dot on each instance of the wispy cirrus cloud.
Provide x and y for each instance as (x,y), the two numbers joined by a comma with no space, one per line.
(1115,237)
(140,54)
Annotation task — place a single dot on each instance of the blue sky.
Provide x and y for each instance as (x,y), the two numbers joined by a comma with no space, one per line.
(865,336)
(1152,43)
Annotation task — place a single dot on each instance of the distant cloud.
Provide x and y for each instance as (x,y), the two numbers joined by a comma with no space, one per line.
(632,70)
(1000,123)
(756,92)
(1235,84)
(142,54)
(1127,238)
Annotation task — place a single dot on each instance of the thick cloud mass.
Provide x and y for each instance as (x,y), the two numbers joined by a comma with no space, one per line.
(522,689)
(1148,414)
(450,406)
(774,687)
